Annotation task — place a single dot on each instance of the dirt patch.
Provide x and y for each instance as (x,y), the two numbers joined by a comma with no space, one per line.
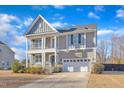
(9,79)
(106,81)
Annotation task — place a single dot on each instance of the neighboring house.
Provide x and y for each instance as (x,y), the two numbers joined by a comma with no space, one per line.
(74,47)
(6,56)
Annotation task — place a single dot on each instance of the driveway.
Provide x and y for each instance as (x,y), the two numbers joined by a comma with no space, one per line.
(61,80)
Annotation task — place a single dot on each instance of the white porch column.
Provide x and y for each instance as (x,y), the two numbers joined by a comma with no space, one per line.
(30,60)
(42,42)
(26,53)
(55,42)
(43,60)
(55,58)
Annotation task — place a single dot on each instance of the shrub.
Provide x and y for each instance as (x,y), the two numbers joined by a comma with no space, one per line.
(46,71)
(34,70)
(23,70)
(97,68)
(16,66)
(57,69)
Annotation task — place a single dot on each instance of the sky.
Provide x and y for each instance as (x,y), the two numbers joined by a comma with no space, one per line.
(15,20)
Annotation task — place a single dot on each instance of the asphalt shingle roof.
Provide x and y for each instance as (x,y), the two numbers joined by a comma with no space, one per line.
(69,29)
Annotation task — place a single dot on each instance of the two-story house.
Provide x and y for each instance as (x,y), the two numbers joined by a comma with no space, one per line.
(74,47)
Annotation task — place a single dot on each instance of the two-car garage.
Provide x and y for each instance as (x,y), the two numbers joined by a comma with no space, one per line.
(76,65)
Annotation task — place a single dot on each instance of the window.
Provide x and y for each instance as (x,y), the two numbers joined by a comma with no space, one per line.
(37,43)
(64,60)
(52,43)
(72,39)
(88,59)
(38,58)
(74,60)
(7,64)
(79,38)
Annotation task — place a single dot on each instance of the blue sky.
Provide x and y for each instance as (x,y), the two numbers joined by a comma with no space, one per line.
(15,20)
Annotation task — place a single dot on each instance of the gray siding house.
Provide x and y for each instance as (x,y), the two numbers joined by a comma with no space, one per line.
(6,56)
(73,47)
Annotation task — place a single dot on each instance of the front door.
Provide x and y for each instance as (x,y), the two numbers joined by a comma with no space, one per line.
(52,60)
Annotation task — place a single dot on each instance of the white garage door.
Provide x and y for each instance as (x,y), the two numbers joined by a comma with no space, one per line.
(75,65)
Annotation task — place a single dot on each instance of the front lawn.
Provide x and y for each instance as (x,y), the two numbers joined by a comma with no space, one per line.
(10,79)
(108,80)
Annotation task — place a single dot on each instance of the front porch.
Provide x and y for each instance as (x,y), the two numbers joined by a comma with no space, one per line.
(46,59)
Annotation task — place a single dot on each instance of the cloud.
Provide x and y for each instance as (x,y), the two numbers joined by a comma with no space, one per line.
(93,15)
(39,7)
(58,16)
(119,31)
(99,8)
(120,13)
(59,24)
(10,33)
(5,18)
(105,32)
(28,21)
(19,53)
(79,9)
(59,6)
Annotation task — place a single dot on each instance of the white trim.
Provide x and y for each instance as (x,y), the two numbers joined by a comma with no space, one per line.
(44,20)
(26,54)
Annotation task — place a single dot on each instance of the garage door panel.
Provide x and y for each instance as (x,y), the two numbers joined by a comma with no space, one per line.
(76,66)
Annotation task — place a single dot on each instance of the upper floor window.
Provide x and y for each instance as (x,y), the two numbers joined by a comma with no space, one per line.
(72,39)
(37,43)
(79,38)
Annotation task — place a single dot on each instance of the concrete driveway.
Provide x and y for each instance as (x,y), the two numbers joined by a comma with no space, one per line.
(61,80)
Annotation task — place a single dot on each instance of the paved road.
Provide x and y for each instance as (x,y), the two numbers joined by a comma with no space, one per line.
(61,80)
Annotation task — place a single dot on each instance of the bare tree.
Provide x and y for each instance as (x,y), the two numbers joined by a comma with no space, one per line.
(102,51)
(117,51)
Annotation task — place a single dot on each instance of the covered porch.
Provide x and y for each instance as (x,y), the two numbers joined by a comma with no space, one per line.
(46,59)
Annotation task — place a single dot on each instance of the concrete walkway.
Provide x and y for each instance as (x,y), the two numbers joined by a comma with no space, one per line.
(61,80)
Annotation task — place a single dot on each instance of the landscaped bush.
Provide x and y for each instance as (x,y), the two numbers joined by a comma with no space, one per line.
(46,71)
(57,69)
(34,70)
(23,70)
(97,68)
(16,66)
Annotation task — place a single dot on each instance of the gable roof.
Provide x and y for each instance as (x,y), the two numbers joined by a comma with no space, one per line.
(2,43)
(33,23)
(78,27)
